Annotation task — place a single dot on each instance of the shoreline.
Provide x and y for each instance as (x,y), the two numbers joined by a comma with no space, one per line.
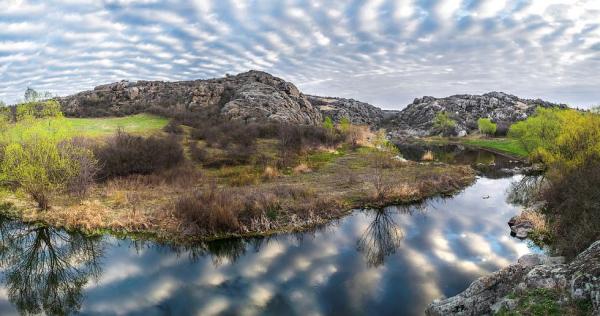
(453,179)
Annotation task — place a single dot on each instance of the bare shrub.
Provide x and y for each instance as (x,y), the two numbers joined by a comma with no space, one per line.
(210,211)
(198,154)
(173,128)
(125,154)
(573,205)
(79,150)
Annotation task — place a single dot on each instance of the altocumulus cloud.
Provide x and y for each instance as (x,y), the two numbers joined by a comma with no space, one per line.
(382,51)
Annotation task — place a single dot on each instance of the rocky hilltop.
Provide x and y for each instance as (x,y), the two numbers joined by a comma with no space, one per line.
(359,113)
(418,117)
(249,96)
(549,279)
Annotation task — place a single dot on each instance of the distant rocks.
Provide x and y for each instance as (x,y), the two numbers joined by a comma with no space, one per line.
(359,113)
(578,280)
(249,96)
(418,117)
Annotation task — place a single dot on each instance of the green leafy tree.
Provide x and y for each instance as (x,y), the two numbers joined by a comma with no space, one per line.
(443,124)
(328,123)
(40,161)
(345,124)
(486,126)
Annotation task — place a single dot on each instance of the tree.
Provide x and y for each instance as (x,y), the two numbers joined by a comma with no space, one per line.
(31,95)
(443,124)
(40,162)
(486,126)
(328,123)
(345,124)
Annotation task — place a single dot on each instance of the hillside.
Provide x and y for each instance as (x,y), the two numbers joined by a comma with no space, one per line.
(249,96)
(417,118)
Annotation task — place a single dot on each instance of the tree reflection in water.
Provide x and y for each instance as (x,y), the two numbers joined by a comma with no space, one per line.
(380,239)
(45,269)
(526,191)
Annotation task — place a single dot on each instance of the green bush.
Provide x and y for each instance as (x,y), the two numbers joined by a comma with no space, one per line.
(486,126)
(41,165)
(443,124)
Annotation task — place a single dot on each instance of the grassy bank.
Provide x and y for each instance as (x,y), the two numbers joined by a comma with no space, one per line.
(506,146)
(262,194)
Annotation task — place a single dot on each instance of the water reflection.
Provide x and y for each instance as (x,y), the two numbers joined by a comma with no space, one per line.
(45,269)
(487,163)
(381,238)
(387,262)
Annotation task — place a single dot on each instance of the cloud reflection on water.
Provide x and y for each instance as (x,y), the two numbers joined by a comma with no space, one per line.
(393,261)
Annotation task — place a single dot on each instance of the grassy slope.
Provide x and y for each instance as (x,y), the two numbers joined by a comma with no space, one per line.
(136,124)
(143,124)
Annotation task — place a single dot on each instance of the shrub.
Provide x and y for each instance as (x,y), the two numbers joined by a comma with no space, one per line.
(41,166)
(502,128)
(80,151)
(210,211)
(486,126)
(328,124)
(573,207)
(198,154)
(443,124)
(125,154)
(173,128)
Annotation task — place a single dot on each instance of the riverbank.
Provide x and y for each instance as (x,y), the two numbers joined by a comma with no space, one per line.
(535,285)
(326,187)
(503,146)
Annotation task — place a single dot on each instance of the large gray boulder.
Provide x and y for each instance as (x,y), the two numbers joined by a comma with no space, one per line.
(577,280)
(418,117)
(249,96)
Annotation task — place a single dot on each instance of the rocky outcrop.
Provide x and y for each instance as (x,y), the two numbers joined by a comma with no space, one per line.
(249,96)
(577,281)
(359,113)
(418,117)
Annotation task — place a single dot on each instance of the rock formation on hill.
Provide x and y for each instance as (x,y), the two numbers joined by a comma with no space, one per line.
(418,117)
(577,281)
(359,113)
(249,96)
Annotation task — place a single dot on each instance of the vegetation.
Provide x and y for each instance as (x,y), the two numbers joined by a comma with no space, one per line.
(41,162)
(206,180)
(568,143)
(486,126)
(443,124)
(542,302)
(506,145)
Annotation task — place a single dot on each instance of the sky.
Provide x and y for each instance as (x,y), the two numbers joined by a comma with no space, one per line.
(385,52)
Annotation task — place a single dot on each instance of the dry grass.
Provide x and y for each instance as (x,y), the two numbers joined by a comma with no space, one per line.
(270,173)
(190,202)
(302,168)
(428,156)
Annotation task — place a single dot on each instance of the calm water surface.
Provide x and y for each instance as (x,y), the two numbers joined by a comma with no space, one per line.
(388,262)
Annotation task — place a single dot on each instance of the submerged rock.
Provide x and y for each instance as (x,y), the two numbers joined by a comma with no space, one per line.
(577,280)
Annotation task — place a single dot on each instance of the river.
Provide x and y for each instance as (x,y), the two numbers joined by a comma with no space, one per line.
(393,261)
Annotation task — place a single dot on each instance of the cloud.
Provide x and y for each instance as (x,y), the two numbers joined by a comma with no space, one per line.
(386,52)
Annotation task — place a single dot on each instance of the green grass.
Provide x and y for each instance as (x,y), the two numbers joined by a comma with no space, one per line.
(511,146)
(135,124)
(61,128)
